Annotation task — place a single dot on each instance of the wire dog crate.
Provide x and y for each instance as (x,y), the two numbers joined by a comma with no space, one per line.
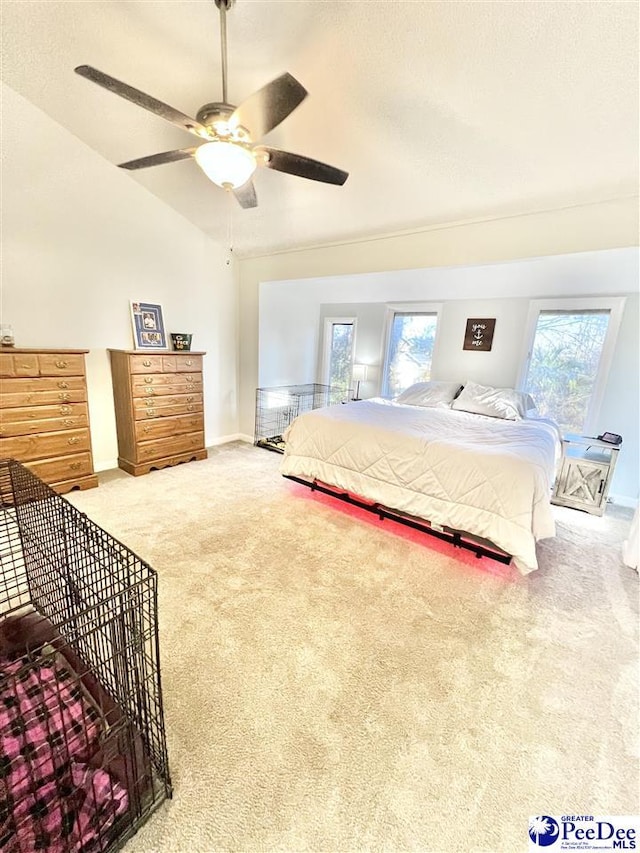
(277,407)
(83,757)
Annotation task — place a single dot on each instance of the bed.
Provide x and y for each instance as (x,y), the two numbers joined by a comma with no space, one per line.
(484,475)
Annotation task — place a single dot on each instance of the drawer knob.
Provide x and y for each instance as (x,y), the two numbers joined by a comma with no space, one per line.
(68,422)
(65,410)
(149,402)
(26,366)
(74,465)
(189,378)
(73,440)
(190,409)
(190,399)
(146,428)
(61,364)
(63,396)
(148,390)
(63,384)
(151,413)
(148,379)
(146,362)
(189,362)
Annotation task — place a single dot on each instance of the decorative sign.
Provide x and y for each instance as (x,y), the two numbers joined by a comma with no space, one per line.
(479,335)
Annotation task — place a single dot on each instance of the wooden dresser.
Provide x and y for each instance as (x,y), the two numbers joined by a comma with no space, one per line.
(159,408)
(44,417)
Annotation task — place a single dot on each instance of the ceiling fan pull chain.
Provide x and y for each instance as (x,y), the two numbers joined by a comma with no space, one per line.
(229,229)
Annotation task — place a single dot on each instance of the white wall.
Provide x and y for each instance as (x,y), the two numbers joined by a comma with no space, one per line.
(606,225)
(80,240)
(499,290)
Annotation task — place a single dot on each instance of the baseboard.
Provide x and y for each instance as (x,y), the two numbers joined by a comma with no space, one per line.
(225,439)
(623,500)
(109,465)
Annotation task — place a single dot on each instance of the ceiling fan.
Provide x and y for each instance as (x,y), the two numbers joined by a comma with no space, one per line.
(228,153)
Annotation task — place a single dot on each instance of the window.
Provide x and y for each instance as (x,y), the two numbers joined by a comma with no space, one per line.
(339,340)
(570,344)
(410,341)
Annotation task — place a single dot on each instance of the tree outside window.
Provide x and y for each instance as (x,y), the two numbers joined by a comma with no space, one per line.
(411,342)
(564,363)
(341,356)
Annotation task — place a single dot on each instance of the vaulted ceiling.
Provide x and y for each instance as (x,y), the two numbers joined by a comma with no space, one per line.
(440,111)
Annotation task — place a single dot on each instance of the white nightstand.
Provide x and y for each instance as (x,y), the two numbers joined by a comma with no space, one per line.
(585,473)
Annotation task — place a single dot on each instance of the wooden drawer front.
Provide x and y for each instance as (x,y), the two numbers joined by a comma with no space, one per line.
(176,383)
(40,413)
(146,364)
(18,364)
(159,427)
(182,403)
(45,389)
(168,411)
(51,364)
(47,444)
(148,450)
(12,398)
(49,425)
(62,468)
(42,398)
(151,392)
(188,363)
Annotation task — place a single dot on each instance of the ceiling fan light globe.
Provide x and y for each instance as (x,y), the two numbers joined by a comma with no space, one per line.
(225,163)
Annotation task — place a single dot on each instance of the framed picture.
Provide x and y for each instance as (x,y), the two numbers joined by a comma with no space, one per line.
(479,334)
(148,326)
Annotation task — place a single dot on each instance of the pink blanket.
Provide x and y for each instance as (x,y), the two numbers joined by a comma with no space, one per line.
(51,798)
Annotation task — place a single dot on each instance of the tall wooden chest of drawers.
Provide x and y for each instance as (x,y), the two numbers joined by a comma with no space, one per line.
(44,418)
(159,408)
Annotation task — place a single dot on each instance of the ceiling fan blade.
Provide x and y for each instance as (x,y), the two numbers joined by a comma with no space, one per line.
(304,167)
(159,159)
(143,100)
(246,195)
(267,107)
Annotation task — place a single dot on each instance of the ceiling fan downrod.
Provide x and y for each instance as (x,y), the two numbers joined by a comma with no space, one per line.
(224,6)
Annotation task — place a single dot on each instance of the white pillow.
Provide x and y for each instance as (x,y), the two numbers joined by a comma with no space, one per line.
(434,394)
(503,403)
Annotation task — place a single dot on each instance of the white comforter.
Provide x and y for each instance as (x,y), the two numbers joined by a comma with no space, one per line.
(485,476)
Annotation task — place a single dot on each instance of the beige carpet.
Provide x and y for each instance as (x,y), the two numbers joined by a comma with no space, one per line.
(333,685)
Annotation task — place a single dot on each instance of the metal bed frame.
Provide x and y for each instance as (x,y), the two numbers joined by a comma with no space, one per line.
(457,538)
